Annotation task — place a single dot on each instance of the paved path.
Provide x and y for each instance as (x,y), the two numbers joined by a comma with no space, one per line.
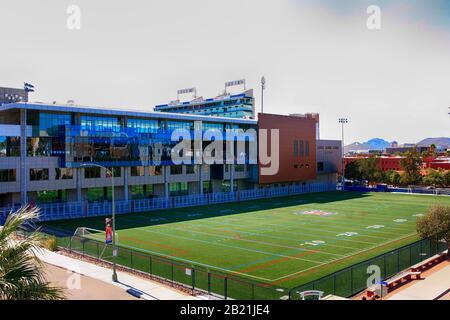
(148,289)
(430,288)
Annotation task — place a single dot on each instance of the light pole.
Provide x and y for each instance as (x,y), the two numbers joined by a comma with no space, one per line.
(343,121)
(111,173)
(263,87)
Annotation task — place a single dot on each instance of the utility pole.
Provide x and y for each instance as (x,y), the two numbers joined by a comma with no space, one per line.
(263,87)
(343,121)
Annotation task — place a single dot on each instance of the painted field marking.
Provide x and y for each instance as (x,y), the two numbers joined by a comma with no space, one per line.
(294,233)
(376,226)
(347,234)
(347,256)
(418,215)
(312,229)
(400,220)
(225,245)
(253,241)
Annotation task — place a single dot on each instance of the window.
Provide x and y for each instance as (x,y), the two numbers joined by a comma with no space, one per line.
(52,124)
(96,123)
(92,173)
(295,149)
(143,125)
(96,194)
(51,196)
(301,148)
(38,174)
(142,191)
(178,189)
(9,146)
(63,173)
(320,166)
(116,171)
(173,125)
(239,168)
(207,187)
(174,170)
(138,171)
(190,169)
(306,148)
(7,175)
(39,147)
(155,170)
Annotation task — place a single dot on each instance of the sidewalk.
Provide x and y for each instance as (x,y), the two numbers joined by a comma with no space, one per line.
(148,289)
(430,288)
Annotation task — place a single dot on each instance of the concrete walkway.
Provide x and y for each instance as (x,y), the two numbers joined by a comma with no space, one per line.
(149,290)
(430,288)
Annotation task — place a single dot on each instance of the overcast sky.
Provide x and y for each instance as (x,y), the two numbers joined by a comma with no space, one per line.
(316,55)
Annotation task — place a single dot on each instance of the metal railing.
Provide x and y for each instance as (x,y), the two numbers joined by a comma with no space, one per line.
(72,210)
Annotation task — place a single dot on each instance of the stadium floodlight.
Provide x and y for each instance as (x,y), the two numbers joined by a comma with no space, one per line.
(343,121)
(263,87)
(114,248)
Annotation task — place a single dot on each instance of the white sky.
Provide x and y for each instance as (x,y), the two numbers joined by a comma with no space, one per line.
(317,56)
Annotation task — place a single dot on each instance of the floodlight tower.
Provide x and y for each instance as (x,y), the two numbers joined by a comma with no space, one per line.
(343,121)
(263,87)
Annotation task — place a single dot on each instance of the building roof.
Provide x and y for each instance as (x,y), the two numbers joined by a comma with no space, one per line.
(201,100)
(120,112)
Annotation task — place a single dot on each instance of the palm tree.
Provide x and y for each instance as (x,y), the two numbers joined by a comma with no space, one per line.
(21,273)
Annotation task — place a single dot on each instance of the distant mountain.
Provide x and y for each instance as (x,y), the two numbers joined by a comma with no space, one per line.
(372,144)
(439,142)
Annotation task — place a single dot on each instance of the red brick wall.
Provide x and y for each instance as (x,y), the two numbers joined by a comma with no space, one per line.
(291,129)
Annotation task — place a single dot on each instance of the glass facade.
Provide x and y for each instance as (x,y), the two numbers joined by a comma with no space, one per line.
(178,188)
(144,125)
(99,124)
(9,146)
(7,175)
(38,174)
(92,173)
(63,173)
(141,191)
(52,124)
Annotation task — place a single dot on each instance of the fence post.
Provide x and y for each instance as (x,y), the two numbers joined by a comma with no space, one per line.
(172,272)
(225,287)
(150,261)
(209,283)
(193,280)
(131,258)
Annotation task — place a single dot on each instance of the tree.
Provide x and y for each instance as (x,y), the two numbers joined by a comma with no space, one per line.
(435,224)
(411,163)
(352,171)
(435,177)
(21,273)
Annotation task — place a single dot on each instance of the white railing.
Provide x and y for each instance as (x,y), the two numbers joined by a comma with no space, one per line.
(71,210)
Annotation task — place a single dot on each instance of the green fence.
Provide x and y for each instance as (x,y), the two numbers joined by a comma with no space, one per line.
(212,282)
(345,283)
(352,280)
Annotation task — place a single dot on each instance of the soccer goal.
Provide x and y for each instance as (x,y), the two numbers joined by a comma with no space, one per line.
(92,242)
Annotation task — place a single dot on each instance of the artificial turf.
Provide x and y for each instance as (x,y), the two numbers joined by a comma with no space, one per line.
(283,242)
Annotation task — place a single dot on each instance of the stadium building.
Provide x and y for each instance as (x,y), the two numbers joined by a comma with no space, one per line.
(237,105)
(49,155)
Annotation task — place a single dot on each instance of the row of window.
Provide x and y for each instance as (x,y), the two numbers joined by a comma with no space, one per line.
(301,149)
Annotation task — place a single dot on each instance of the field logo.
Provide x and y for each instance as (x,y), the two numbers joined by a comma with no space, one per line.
(375,226)
(313,243)
(317,213)
(347,234)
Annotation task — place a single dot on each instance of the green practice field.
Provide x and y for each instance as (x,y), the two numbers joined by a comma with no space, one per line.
(283,242)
